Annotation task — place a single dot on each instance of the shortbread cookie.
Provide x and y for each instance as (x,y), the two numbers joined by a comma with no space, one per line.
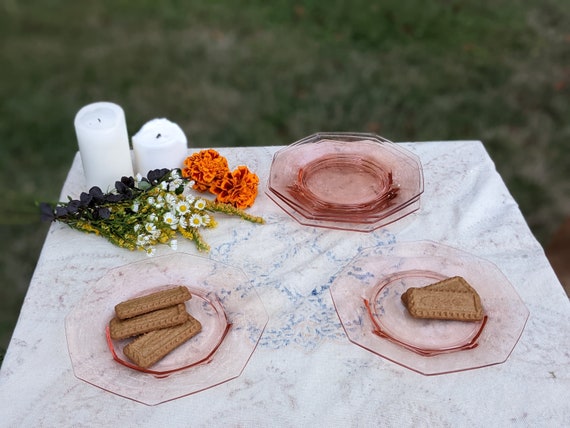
(161,318)
(152,302)
(450,299)
(150,348)
(455,283)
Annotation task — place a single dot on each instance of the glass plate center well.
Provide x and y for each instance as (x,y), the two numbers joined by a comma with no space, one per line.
(344,180)
(392,318)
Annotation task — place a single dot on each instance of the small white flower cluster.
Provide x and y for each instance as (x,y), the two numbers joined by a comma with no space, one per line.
(171,207)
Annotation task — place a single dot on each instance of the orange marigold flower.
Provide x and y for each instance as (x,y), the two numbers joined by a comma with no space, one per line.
(205,168)
(238,188)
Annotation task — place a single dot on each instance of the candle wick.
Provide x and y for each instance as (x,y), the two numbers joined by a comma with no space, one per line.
(158,135)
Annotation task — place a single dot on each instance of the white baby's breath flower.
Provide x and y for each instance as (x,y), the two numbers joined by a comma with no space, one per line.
(137,227)
(151,200)
(200,204)
(150,227)
(182,222)
(135,207)
(196,220)
(175,174)
(152,217)
(190,199)
(159,201)
(164,185)
(150,251)
(171,200)
(175,184)
(142,240)
(188,190)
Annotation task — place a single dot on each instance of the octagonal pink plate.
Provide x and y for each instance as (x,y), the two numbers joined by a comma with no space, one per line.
(345,181)
(223,300)
(206,307)
(367,297)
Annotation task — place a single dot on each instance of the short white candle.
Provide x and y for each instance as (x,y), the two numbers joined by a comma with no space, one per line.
(103,142)
(159,144)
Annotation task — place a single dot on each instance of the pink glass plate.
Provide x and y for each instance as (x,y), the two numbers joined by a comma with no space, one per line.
(357,180)
(378,276)
(310,206)
(342,180)
(391,319)
(206,308)
(357,225)
(363,185)
(222,293)
(345,170)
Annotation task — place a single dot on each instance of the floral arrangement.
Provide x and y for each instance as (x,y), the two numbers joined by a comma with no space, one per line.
(143,212)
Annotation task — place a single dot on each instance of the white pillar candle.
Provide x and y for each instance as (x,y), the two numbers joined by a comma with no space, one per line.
(103,144)
(159,144)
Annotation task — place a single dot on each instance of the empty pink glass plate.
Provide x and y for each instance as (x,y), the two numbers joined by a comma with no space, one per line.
(361,225)
(225,302)
(367,297)
(345,181)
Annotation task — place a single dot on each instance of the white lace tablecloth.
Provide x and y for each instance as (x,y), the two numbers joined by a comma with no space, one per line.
(304,371)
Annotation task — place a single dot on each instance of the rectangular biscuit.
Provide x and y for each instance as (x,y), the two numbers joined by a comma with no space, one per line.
(152,302)
(451,305)
(454,283)
(161,318)
(450,299)
(151,347)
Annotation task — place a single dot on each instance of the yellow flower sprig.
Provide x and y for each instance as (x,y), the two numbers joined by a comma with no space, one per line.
(143,213)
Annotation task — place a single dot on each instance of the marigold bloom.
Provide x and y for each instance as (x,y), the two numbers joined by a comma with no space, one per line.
(205,167)
(238,188)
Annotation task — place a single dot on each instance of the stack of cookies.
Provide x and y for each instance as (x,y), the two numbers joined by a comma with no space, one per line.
(450,299)
(158,322)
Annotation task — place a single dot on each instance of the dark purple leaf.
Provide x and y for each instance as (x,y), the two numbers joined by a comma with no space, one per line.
(46,212)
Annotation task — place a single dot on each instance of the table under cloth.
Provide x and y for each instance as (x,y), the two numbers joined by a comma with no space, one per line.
(305,371)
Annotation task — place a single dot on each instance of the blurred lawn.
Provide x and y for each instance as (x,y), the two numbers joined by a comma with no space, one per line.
(269,72)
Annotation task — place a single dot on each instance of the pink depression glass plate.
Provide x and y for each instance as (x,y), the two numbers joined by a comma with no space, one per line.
(224,301)
(367,297)
(206,308)
(358,225)
(392,321)
(342,182)
(345,181)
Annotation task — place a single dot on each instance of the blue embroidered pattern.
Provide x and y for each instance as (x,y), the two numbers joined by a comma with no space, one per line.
(308,317)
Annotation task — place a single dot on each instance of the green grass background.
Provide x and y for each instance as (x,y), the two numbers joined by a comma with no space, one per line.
(254,72)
